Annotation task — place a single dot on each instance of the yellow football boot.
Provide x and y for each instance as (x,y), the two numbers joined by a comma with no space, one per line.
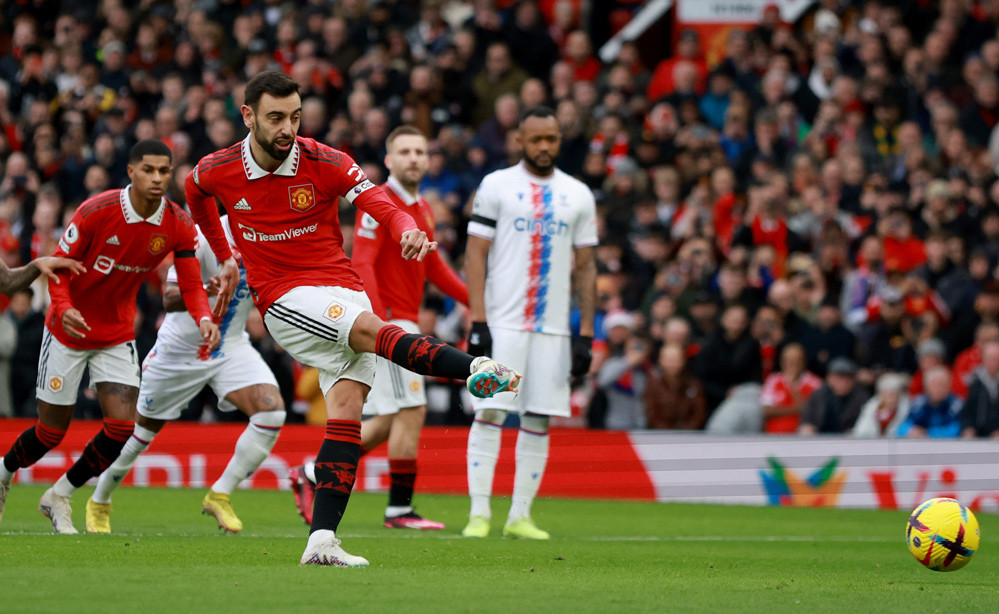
(220,506)
(98,517)
(524,528)
(478,526)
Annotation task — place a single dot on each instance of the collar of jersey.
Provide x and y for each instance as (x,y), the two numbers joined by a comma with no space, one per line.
(288,168)
(132,217)
(400,191)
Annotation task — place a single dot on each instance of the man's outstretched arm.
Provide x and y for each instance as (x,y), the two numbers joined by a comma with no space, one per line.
(14,280)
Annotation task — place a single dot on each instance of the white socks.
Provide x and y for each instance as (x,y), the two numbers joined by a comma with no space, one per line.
(483,449)
(310,471)
(532,456)
(319,536)
(252,449)
(112,476)
(484,440)
(63,488)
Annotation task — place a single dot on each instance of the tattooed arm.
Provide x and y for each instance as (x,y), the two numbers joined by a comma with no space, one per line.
(14,280)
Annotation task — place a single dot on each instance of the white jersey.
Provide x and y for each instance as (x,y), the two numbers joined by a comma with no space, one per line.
(179,335)
(534,223)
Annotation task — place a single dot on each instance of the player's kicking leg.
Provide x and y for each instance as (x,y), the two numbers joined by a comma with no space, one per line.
(425,355)
(313,324)
(263,404)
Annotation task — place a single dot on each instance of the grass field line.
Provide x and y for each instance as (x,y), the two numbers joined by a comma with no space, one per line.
(450,536)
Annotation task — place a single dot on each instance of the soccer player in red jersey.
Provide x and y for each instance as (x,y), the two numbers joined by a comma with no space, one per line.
(397,404)
(282,195)
(120,235)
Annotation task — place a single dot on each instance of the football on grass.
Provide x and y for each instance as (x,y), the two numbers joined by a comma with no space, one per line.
(942,534)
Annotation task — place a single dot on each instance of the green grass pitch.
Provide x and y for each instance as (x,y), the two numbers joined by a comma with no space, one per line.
(603,557)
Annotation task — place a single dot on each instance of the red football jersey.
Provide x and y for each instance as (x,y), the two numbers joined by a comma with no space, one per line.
(119,249)
(777,393)
(285,223)
(395,285)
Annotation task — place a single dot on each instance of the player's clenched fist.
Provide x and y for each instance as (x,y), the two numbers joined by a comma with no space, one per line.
(480,341)
(582,355)
(415,244)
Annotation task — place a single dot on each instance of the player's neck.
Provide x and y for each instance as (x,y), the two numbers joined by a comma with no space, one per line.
(411,189)
(143,206)
(262,158)
(533,170)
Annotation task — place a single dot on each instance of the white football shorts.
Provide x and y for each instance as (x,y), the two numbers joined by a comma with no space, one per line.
(544,361)
(312,323)
(395,388)
(170,382)
(60,369)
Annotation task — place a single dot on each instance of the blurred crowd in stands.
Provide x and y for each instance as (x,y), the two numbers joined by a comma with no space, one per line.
(799,237)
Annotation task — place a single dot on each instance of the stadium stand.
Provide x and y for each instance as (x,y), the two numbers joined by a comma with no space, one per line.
(836,176)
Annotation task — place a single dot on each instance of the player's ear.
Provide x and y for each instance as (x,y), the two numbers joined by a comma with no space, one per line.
(247,113)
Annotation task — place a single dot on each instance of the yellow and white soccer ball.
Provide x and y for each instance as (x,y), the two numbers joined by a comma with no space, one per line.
(942,534)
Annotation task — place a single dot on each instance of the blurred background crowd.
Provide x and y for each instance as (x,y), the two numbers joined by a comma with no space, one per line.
(799,233)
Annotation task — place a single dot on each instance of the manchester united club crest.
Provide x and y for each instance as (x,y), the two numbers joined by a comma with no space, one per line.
(157,243)
(334,311)
(55,384)
(302,197)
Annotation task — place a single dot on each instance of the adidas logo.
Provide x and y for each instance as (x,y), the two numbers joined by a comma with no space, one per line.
(113,240)
(242,205)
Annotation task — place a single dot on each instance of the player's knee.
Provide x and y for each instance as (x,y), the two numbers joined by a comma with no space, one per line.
(364,332)
(268,400)
(55,416)
(271,420)
(345,400)
(534,423)
(492,416)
